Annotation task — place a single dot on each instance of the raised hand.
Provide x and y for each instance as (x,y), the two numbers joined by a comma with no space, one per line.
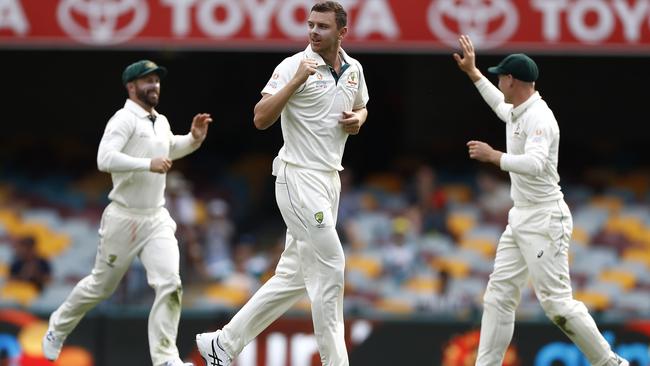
(467,62)
(200,124)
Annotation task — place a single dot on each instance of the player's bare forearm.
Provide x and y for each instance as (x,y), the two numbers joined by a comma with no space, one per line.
(475,75)
(495,157)
(268,109)
(362,113)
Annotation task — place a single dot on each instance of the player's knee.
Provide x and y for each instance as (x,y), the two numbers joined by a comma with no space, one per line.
(500,300)
(169,283)
(338,275)
(564,308)
(96,289)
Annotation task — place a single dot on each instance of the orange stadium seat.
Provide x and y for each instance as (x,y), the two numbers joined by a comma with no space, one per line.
(455,267)
(645,238)
(458,224)
(610,203)
(21,292)
(4,270)
(593,300)
(629,226)
(637,255)
(422,285)
(625,279)
(459,193)
(10,220)
(485,247)
(48,242)
(226,295)
(369,266)
(580,236)
(394,306)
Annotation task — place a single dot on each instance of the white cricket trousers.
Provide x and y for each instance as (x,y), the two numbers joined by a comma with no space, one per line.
(124,234)
(312,262)
(535,244)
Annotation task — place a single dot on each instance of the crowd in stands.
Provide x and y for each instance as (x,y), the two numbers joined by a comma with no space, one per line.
(417,241)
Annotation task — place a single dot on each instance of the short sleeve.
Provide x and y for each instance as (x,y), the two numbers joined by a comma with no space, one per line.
(362,95)
(280,77)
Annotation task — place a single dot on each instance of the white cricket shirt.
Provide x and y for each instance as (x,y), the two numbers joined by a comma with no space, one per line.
(313,136)
(533,141)
(129,143)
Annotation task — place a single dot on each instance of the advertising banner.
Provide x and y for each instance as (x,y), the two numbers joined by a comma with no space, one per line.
(121,339)
(431,26)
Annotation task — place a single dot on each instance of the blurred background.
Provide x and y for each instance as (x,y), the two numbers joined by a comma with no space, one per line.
(418,220)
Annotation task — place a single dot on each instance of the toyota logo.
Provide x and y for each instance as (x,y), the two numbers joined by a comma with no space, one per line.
(488,22)
(102,22)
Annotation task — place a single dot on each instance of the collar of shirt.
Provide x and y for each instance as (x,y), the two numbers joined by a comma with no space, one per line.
(517,112)
(138,110)
(309,53)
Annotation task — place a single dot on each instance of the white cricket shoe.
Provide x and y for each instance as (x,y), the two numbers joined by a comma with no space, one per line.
(177,362)
(623,362)
(211,350)
(52,345)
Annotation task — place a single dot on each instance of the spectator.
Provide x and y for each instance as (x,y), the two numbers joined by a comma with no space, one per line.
(183,208)
(430,200)
(241,278)
(399,253)
(371,226)
(28,266)
(350,203)
(180,201)
(493,198)
(219,231)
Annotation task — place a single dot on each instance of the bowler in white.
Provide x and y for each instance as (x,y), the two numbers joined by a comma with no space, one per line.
(320,95)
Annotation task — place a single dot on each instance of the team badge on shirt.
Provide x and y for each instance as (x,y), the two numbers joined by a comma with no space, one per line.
(353,79)
(319,217)
(319,82)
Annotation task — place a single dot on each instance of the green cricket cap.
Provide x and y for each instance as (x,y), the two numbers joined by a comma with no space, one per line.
(141,68)
(518,65)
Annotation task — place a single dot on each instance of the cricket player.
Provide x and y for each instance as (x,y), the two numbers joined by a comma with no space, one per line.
(321,95)
(535,242)
(137,148)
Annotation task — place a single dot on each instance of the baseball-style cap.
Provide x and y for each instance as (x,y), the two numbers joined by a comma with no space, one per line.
(518,65)
(141,68)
